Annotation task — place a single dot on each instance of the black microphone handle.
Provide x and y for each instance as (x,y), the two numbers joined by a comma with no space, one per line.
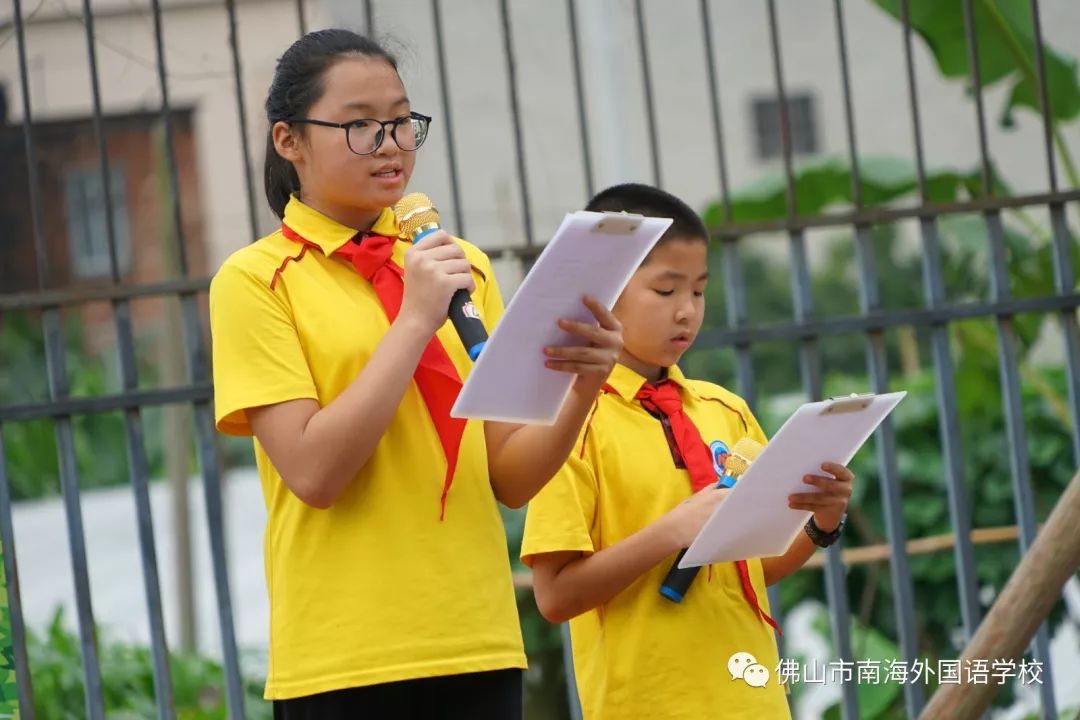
(678,580)
(470,328)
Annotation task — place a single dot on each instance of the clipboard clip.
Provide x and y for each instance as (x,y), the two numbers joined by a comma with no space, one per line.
(847,403)
(618,223)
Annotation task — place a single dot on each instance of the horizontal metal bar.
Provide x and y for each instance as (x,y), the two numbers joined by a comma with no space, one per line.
(873,322)
(58,14)
(886,320)
(867,216)
(872,216)
(731,231)
(69,406)
(82,295)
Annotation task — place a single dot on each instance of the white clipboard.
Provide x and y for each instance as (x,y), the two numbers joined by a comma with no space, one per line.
(754,521)
(591,254)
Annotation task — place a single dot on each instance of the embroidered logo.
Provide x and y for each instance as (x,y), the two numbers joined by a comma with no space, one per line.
(720,454)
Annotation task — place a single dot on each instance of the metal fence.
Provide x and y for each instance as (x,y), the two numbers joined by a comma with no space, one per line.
(805,331)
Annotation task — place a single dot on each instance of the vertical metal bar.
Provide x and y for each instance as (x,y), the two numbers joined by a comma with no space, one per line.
(650,106)
(41,253)
(1044,96)
(785,119)
(58,389)
(734,284)
(241,110)
(7,530)
(579,90)
(1019,464)
(810,368)
(572,699)
(301,17)
(215,516)
(809,357)
(945,383)
(714,109)
(849,113)
(180,510)
(876,359)
(69,485)
(735,300)
(139,473)
(172,166)
(515,116)
(976,91)
(735,303)
(913,98)
(836,595)
(835,574)
(885,447)
(1064,282)
(444,92)
(138,465)
(776,612)
(198,373)
(369,18)
(14,594)
(102,149)
(810,361)
(944,368)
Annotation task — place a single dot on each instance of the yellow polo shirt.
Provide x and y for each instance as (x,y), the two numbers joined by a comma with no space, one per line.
(374,589)
(641,655)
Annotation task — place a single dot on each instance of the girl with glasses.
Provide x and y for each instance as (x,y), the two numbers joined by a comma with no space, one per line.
(386,559)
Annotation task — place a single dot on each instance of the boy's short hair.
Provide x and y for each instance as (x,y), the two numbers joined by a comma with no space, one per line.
(652,202)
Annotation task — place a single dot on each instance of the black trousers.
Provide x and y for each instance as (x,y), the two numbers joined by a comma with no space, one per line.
(495,695)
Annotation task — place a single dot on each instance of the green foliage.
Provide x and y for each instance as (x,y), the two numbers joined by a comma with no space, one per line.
(1006,57)
(921,476)
(920,461)
(877,701)
(30,447)
(825,182)
(128,681)
(9,691)
(1005,39)
(1006,42)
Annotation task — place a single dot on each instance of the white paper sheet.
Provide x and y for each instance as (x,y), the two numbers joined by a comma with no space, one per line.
(754,521)
(591,254)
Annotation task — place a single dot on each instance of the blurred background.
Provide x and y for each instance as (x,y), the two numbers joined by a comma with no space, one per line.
(893,191)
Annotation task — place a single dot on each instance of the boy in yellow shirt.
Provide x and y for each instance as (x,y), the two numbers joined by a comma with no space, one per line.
(602,536)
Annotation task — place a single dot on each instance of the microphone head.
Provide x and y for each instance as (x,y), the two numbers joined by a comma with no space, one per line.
(742,454)
(415,212)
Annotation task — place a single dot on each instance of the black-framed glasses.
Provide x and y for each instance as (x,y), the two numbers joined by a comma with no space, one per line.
(366,135)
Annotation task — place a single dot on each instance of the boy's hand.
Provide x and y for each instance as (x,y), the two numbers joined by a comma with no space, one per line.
(830,504)
(686,519)
(595,356)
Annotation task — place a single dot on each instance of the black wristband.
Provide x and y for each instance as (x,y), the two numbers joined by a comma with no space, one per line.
(819,536)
